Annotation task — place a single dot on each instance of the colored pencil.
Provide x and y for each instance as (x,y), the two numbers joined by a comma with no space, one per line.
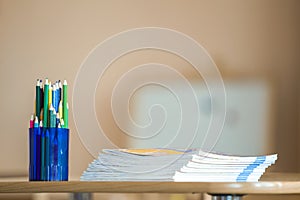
(41,96)
(52,120)
(37,98)
(47,154)
(65,101)
(46,102)
(50,95)
(62,123)
(57,119)
(54,97)
(60,110)
(43,149)
(36,122)
(60,90)
(31,122)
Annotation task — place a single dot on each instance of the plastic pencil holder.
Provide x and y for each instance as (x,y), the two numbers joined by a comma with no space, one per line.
(48,154)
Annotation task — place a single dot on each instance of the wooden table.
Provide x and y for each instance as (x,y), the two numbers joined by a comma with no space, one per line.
(272,183)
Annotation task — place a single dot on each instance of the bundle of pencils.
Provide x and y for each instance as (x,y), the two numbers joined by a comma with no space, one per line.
(51,105)
(49,133)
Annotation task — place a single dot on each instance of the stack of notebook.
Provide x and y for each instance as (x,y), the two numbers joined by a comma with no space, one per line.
(191,165)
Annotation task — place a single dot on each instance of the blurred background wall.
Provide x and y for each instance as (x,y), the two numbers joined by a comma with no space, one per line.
(248,40)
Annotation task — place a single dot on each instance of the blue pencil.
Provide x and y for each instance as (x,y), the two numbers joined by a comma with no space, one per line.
(36,122)
(37,152)
(47,155)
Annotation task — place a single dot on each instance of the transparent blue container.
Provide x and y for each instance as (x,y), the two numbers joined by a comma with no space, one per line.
(34,154)
(48,154)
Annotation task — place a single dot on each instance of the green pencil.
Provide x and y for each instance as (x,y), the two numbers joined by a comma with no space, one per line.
(46,102)
(65,104)
(67,116)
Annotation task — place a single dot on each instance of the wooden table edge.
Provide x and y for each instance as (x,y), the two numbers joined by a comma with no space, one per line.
(262,187)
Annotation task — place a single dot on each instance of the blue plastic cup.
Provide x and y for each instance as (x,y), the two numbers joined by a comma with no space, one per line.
(49,154)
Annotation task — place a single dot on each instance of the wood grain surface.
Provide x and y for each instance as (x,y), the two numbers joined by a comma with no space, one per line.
(272,183)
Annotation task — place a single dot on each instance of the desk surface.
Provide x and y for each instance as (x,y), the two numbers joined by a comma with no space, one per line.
(272,183)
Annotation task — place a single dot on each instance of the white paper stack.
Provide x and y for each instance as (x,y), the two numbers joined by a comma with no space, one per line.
(191,165)
(211,167)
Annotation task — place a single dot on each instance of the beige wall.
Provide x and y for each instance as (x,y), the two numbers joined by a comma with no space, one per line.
(38,39)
